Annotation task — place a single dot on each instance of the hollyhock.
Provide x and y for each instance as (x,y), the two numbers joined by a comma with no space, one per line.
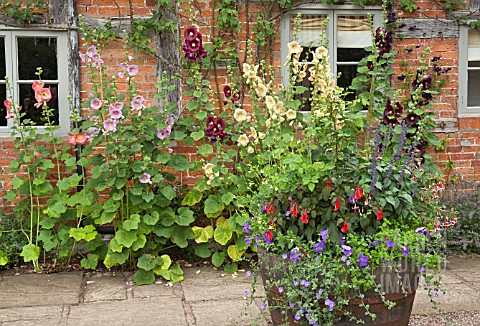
(227,91)
(91,51)
(37,85)
(116,110)
(110,125)
(95,103)
(132,70)
(190,33)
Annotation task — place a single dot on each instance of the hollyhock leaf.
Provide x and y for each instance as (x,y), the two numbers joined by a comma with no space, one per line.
(162,158)
(218,258)
(148,196)
(168,192)
(174,274)
(163,232)
(201,115)
(235,253)
(148,262)
(167,216)
(30,252)
(202,235)
(205,150)
(114,246)
(132,222)
(185,216)
(181,234)
(86,233)
(48,240)
(203,250)
(213,206)
(142,277)
(222,234)
(126,238)
(192,197)
(140,242)
(179,162)
(89,262)
(115,258)
(227,198)
(197,135)
(3,259)
(231,268)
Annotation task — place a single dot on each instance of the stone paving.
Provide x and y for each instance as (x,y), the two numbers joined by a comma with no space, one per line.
(205,298)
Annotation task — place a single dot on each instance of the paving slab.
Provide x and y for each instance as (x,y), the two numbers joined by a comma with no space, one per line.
(105,288)
(227,312)
(204,283)
(46,315)
(156,290)
(40,289)
(166,311)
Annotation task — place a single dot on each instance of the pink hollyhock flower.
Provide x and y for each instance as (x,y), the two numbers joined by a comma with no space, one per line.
(95,103)
(163,133)
(91,51)
(81,138)
(145,178)
(110,125)
(137,103)
(72,139)
(45,94)
(37,85)
(116,111)
(121,74)
(170,121)
(7,104)
(82,57)
(132,70)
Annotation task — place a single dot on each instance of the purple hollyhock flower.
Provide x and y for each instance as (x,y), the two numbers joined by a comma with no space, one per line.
(190,33)
(390,244)
(163,133)
(330,304)
(190,56)
(362,260)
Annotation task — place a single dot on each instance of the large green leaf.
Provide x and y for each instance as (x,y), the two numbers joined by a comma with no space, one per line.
(152,218)
(213,206)
(89,262)
(218,258)
(132,222)
(115,258)
(148,262)
(203,234)
(86,233)
(167,216)
(168,192)
(126,238)
(222,234)
(30,252)
(205,150)
(181,234)
(234,253)
(174,274)
(203,250)
(184,217)
(142,277)
(192,197)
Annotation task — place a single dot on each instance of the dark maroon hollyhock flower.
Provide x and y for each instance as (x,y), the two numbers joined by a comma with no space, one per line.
(236,97)
(401,77)
(420,150)
(418,46)
(190,56)
(399,109)
(190,33)
(370,66)
(193,45)
(215,129)
(437,69)
(389,116)
(391,17)
(227,91)
(412,119)
(383,40)
(402,25)
(436,58)
(409,50)
(202,53)
(446,70)
(411,28)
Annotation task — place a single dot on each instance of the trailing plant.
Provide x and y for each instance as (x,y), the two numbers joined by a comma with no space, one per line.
(22,11)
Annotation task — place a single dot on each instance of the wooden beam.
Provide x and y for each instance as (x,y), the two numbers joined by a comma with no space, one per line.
(427,28)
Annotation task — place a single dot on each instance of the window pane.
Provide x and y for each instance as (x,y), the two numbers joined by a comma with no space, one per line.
(353,32)
(473,88)
(349,55)
(306,104)
(3,70)
(348,72)
(36,52)
(310,31)
(474,44)
(27,101)
(474,64)
(3,110)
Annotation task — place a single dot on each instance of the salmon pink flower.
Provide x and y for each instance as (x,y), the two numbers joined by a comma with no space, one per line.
(37,85)
(71,139)
(81,138)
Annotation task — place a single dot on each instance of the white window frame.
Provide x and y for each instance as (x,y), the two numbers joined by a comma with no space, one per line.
(463,109)
(330,11)
(11,58)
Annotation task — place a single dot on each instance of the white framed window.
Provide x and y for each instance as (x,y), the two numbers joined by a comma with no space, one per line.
(21,52)
(469,72)
(345,33)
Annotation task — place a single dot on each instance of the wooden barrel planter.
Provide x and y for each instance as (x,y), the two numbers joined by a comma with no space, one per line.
(399,315)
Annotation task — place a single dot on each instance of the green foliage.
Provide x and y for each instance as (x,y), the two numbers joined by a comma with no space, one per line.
(12,238)
(22,11)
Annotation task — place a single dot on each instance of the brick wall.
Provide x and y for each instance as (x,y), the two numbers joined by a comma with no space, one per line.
(463,133)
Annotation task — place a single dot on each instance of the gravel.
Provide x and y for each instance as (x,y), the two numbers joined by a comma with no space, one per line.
(461,318)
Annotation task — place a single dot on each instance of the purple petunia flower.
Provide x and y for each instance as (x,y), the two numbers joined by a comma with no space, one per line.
(422,230)
(246,227)
(374,243)
(362,260)
(390,244)
(405,250)
(330,304)
(295,282)
(262,306)
(297,316)
(281,289)
(319,247)
(248,273)
(245,293)
(422,269)
(294,256)
(319,294)
(248,240)
(284,256)
(347,250)
(324,234)
(291,305)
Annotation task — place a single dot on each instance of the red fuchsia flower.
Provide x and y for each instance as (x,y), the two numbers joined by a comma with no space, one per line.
(344,227)
(270,208)
(379,214)
(358,193)
(304,216)
(145,178)
(269,235)
(37,85)
(190,33)
(328,184)
(294,210)
(95,103)
(337,205)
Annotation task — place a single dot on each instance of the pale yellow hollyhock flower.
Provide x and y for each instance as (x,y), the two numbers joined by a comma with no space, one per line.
(253,133)
(261,90)
(261,135)
(240,115)
(279,108)
(294,47)
(268,123)
(246,69)
(270,102)
(291,114)
(250,149)
(321,51)
(208,168)
(274,117)
(243,140)
(319,114)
